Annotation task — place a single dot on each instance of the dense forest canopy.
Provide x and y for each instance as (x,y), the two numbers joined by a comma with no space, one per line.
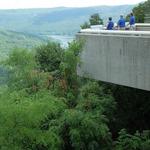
(46,106)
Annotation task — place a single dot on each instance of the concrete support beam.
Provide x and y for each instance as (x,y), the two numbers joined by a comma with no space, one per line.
(122,59)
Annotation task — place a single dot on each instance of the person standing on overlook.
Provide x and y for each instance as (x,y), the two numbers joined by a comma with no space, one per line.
(110,24)
(121,23)
(132,22)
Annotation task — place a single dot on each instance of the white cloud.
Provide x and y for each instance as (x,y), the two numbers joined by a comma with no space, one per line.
(56,3)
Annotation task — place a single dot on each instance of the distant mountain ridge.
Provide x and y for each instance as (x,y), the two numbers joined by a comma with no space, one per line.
(59,20)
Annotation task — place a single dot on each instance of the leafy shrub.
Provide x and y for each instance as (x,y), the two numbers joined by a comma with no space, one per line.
(19,64)
(85,130)
(68,69)
(85,25)
(49,56)
(23,122)
(137,141)
(93,98)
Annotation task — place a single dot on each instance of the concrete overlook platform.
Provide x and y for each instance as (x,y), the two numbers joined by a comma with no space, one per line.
(119,57)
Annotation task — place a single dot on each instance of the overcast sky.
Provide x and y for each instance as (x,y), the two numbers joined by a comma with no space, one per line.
(8,4)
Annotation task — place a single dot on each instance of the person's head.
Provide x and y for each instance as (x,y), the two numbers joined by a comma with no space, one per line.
(131,14)
(121,16)
(110,18)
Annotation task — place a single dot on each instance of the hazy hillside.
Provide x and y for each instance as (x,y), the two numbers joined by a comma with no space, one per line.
(59,20)
(17,27)
(10,40)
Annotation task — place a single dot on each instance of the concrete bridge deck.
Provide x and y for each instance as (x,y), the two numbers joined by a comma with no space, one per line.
(120,57)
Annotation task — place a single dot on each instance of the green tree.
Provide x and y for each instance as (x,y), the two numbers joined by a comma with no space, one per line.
(49,56)
(19,64)
(85,25)
(140,11)
(95,19)
(85,126)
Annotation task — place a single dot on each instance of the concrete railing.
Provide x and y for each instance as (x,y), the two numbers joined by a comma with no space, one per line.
(120,57)
(138,27)
(116,32)
(142,26)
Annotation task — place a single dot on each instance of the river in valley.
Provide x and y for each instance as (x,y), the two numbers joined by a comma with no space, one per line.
(62,39)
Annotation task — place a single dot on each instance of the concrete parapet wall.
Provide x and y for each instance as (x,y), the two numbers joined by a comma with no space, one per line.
(143,26)
(119,59)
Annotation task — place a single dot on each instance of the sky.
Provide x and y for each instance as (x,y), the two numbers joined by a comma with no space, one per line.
(13,4)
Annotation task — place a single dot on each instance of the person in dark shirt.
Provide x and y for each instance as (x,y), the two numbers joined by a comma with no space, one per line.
(110,24)
(132,22)
(121,23)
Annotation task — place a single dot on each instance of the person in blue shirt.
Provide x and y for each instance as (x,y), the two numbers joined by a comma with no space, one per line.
(110,24)
(132,22)
(121,23)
